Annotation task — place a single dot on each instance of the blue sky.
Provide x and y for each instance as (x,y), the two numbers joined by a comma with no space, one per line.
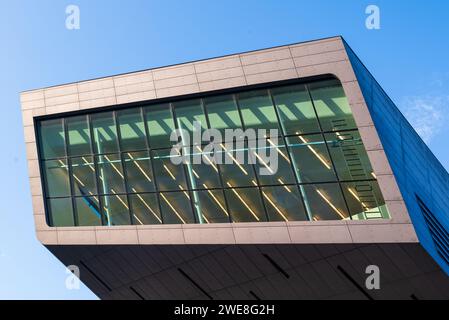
(408,56)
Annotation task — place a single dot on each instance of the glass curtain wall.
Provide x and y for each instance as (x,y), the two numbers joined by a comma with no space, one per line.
(119,167)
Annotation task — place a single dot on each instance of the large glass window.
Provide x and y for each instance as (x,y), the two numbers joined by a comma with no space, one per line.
(120,168)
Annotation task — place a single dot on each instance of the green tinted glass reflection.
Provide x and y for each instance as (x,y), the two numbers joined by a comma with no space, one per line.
(257,110)
(110,173)
(176,208)
(326,202)
(52,139)
(245,205)
(223,113)
(132,130)
(145,208)
(60,211)
(139,173)
(78,135)
(105,132)
(169,176)
(57,178)
(284,203)
(87,210)
(116,210)
(83,176)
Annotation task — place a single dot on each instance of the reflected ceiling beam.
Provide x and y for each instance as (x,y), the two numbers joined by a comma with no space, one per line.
(330,204)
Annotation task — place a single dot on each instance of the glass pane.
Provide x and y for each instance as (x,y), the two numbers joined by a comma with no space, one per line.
(273,166)
(169,174)
(132,130)
(110,173)
(52,139)
(235,170)
(223,113)
(332,106)
(311,159)
(245,205)
(145,208)
(116,210)
(213,207)
(78,135)
(57,178)
(349,155)
(202,169)
(60,211)
(138,172)
(187,113)
(283,204)
(257,110)
(83,174)
(176,208)
(295,110)
(365,200)
(160,125)
(326,202)
(87,210)
(105,132)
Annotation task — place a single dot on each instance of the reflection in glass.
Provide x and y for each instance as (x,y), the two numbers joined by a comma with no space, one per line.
(57,178)
(169,176)
(105,132)
(60,211)
(223,113)
(116,210)
(145,208)
(295,110)
(160,125)
(311,159)
(245,205)
(83,176)
(132,130)
(138,170)
(176,208)
(236,172)
(332,106)
(257,110)
(365,201)
(110,173)
(52,139)
(187,113)
(87,210)
(213,206)
(78,133)
(283,203)
(326,202)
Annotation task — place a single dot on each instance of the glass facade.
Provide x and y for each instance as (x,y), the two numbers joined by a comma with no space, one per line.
(119,167)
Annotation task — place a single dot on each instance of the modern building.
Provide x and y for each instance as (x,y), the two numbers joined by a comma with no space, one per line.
(355,185)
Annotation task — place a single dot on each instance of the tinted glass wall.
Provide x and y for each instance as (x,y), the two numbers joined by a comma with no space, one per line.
(117,167)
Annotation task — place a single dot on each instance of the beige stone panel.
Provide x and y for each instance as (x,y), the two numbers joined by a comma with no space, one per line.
(361,115)
(220,74)
(379,162)
(47,237)
(271,76)
(398,211)
(96,103)
(319,58)
(133,78)
(389,188)
(34,104)
(97,94)
(265,56)
(383,233)
(117,235)
(175,82)
(370,138)
(135,97)
(68,107)
(353,93)
(59,91)
(316,47)
(38,205)
(320,234)
(32,95)
(161,235)
(265,234)
(35,185)
(342,70)
(173,72)
(269,66)
(222,234)
(61,100)
(33,168)
(76,236)
(31,151)
(217,64)
(40,222)
(222,84)
(29,135)
(134,88)
(177,91)
(95,85)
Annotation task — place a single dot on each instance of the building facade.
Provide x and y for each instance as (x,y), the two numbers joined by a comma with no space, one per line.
(353,185)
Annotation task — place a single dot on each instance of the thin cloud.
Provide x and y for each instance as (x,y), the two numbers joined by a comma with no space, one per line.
(427,114)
